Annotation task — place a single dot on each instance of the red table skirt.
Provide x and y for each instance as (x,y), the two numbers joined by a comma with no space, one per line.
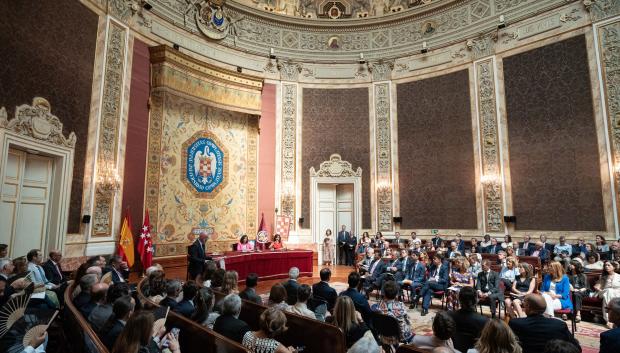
(268,264)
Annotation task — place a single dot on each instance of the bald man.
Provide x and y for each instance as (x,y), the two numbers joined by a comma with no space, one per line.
(535,330)
(52,269)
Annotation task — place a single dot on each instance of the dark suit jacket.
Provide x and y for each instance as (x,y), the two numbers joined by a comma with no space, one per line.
(342,238)
(185,308)
(197,258)
(231,327)
(291,291)
(378,270)
(109,337)
(81,299)
(52,273)
(549,246)
(530,247)
(169,302)
(322,290)
(436,241)
(360,302)
(493,282)
(610,341)
(115,277)
(444,274)
(469,325)
(417,273)
(250,294)
(351,241)
(494,249)
(460,246)
(535,331)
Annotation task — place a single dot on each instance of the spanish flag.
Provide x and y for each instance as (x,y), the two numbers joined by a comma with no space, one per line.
(125,242)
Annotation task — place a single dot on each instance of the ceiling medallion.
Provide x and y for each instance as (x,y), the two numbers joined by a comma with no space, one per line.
(334,12)
(212,19)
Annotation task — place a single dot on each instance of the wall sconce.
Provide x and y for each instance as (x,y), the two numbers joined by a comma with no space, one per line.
(108,180)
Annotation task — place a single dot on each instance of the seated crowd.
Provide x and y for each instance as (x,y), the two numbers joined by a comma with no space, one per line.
(419,270)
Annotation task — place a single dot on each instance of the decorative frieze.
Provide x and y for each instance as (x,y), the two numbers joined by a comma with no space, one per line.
(383,143)
(288,146)
(381,71)
(491,168)
(109,123)
(483,45)
(336,168)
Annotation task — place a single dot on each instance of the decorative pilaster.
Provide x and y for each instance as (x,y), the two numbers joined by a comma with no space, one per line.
(384,156)
(109,125)
(252,175)
(491,168)
(288,158)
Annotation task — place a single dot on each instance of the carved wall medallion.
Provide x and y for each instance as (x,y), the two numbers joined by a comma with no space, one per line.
(38,122)
(335,168)
(288,146)
(383,141)
(109,123)
(491,169)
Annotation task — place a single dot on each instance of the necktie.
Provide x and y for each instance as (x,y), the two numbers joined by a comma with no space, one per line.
(41,273)
(487,285)
(374,266)
(405,265)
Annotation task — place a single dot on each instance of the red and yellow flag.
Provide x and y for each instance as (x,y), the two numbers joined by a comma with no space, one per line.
(125,241)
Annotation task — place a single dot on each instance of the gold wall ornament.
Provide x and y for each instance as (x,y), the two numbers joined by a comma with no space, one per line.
(288,157)
(336,168)
(383,142)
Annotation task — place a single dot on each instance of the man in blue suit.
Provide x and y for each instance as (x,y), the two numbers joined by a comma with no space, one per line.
(541,252)
(438,280)
(342,244)
(360,302)
(610,340)
(460,243)
(373,277)
(187,306)
(416,278)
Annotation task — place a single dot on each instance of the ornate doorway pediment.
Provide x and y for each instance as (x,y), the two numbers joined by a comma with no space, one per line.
(336,168)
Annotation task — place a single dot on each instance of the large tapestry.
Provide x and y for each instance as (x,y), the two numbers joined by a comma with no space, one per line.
(436,154)
(554,157)
(201,174)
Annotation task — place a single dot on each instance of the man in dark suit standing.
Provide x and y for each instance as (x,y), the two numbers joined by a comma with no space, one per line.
(610,340)
(291,286)
(249,293)
(373,277)
(322,290)
(350,249)
(228,324)
(526,247)
(438,280)
(186,306)
(535,330)
(487,286)
(197,256)
(52,269)
(360,302)
(342,244)
(469,323)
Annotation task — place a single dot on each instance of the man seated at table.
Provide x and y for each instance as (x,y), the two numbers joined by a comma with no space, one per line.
(244,244)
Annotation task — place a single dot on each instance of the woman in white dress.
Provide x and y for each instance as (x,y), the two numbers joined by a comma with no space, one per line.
(608,287)
(328,248)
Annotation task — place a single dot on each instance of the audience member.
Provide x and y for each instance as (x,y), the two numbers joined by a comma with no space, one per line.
(364,265)
(443,329)
(121,311)
(475,265)
(559,346)
(173,289)
(322,290)
(137,336)
(366,344)
(535,330)
(155,287)
(249,293)
(6,271)
(4,252)
(474,247)
(118,268)
(277,297)
(94,270)
(217,280)
(204,313)
(496,337)
(601,244)
(460,277)
(610,340)
(375,271)
(607,288)
(580,285)
(291,286)
(562,251)
(556,289)
(52,269)
(348,320)
(35,258)
(495,246)
(548,246)
(102,312)
(507,243)
(153,268)
(97,297)
(209,269)
(487,287)
(468,322)
(359,301)
(186,306)
(522,286)
(485,244)
(541,252)
(301,306)
(86,283)
(526,247)
(416,278)
(397,309)
(438,280)
(228,324)
(594,261)
(509,272)
(272,324)
(229,286)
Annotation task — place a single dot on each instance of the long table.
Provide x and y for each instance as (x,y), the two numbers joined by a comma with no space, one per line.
(267,264)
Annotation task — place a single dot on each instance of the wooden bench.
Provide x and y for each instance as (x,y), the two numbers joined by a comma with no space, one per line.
(81,338)
(193,337)
(312,335)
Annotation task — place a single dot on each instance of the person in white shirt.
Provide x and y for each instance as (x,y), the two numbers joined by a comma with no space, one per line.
(35,258)
(301,307)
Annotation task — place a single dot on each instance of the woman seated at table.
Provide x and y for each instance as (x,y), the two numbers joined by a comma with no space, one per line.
(244,244)
(276,244)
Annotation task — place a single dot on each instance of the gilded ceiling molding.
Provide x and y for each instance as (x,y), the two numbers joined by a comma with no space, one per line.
(37,121)
(383,138)
(288,147)
(181,73)
(609,47)
(109,124)
(491,168)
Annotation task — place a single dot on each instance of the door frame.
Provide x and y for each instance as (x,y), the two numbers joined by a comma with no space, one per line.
(35,129)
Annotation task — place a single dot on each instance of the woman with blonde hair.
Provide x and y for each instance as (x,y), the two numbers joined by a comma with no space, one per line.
(460,277)
(496,337)
(272,324)
(556,289)
(523,285)
(229,286)
(348,320)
